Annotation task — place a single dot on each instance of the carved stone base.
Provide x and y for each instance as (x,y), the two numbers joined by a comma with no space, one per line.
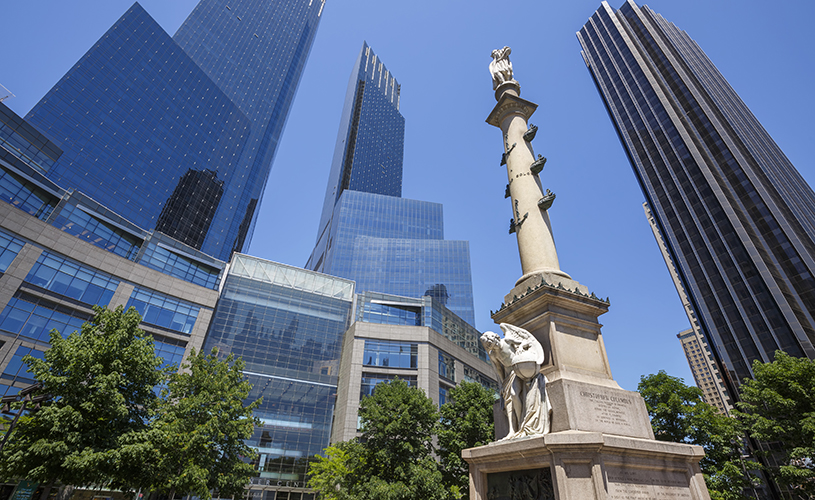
(575,465)
(602,445)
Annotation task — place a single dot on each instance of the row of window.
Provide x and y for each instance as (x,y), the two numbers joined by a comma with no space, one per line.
(73,280)
(394,354)
(370,381)
(170,263)
(18,371)
(81,224)
(66,277)
(162,310)
(390,354)
(34,318)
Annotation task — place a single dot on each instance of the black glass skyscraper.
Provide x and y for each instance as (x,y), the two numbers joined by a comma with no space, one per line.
(143,113)
(368,232)
(737,218)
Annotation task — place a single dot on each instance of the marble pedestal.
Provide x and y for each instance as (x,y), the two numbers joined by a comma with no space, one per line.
(585,466)
(601,445)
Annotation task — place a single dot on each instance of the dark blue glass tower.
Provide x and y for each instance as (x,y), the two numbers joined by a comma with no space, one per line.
(368,232)
(178,134)
(737,218)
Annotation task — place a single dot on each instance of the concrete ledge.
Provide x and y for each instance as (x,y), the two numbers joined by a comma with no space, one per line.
(578,441)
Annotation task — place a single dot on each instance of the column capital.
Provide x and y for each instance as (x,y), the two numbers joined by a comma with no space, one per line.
(510,104)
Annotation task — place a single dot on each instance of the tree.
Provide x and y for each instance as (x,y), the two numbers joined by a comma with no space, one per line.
(393,458)
(778,406)
(196,443)
(398,422)
(101,379)
(466,421)
(678,414)
(335,474)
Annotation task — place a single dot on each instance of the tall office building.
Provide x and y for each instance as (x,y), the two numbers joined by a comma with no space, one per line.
(143,116)
(370,143)
(737,219)
(368,232)
(706,371)
(61,253)
(703,368)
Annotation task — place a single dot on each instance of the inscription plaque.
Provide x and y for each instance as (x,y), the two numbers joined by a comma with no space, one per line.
(609,409)
(627,484)
(532,484)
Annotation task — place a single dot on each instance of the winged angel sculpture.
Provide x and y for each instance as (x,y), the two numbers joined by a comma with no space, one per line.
(518,358)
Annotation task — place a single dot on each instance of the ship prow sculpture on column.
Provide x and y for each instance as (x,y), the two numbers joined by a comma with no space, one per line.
(564,428)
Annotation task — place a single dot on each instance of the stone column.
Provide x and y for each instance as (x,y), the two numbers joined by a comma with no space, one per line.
(530,221)
(600,445)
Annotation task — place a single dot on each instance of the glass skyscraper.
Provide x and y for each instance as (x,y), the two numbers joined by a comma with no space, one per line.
(178,134)
(737,218)
(61,253)
(368,232)
(370,143)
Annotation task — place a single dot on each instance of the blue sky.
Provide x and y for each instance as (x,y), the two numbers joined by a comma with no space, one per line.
(439,51)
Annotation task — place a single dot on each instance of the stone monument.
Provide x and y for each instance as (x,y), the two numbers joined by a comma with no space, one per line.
(597,442)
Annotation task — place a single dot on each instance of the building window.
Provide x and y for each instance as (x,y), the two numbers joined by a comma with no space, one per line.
(178,266)
(75,221)
(9,248)
(161,310)
(17,369)
(447,367)
(370,381)
(73,280)
(388,314)
(473,375)
(26,196)
(390,354)
(170,354)
(442,395)
(34,318)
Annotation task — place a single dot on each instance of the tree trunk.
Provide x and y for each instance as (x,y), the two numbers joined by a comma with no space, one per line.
(47,490)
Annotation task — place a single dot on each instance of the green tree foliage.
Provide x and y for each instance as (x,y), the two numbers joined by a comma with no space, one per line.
(393,459)
(778,406)
(678,414)
(106,426)
(196,442)
(102,379)
(398,422)
(466,421)
(335,474)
